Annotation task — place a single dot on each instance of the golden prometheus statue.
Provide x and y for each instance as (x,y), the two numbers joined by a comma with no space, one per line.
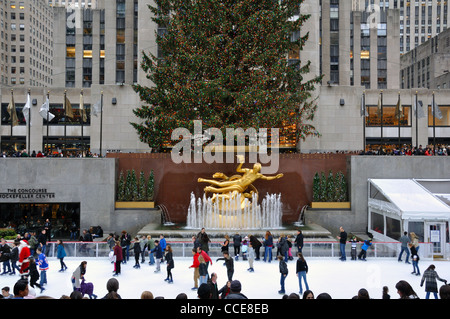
(230,187)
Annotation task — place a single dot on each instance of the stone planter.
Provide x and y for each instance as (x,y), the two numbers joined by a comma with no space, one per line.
(330,205)
(134,205)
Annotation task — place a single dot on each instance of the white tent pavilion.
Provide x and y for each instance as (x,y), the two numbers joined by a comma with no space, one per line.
(419,206)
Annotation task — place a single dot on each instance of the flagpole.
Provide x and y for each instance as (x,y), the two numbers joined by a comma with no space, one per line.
(433,112)
(65,121)
(101,122)
(29,125)
(82,127)
(417,122)
(381,123)
(48,111)
(12,118)
(364,122)
(399,145)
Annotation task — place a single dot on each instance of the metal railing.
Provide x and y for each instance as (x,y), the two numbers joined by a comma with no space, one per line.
(310,249)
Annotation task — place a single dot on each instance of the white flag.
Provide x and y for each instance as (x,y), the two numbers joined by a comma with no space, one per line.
(418,109)
(27,110)
(97,108)
(82,110)
(45,111)
(363,111)
(436,110)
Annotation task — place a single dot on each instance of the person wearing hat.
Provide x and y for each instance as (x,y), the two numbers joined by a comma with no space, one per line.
(24,254)
(235,291)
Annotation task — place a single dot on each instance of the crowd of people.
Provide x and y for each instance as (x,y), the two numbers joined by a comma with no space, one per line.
(32,265)
(56,154)
(408,150)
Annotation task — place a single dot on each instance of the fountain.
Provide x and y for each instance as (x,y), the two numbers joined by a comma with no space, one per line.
(203,212)
(233,206)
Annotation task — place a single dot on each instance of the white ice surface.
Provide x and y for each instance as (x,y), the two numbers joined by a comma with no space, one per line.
(341,280)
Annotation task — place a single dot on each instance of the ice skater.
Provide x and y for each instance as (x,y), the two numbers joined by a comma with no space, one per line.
(229,263)
(302,270)
(363,253)
(137,252)
(60,254)
(284,272)
(158,255)
(415,259)
(43,266)
(251,257)
(353,243)
(170,264)
(118,257)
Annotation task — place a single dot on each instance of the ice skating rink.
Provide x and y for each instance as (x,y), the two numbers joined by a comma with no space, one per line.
(341,280)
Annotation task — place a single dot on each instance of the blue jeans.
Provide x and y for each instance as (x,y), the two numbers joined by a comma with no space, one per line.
(6,265)
(43,277)
(404,249)
(302,274)
(268,254)
(427,296)
(342,249)
(415,264)
(282,279)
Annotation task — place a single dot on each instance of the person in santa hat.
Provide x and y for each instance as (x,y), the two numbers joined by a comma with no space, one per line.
(24,253)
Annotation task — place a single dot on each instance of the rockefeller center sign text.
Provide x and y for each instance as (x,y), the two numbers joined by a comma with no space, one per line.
(26,193)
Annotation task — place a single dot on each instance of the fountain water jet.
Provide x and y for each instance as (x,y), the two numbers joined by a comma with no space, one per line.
(232,214)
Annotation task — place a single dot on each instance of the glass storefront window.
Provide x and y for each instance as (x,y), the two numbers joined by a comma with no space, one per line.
(389,116)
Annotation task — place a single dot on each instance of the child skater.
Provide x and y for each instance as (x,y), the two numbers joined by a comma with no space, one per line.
(353,242)
(251,257)
(170,264)
(34,273)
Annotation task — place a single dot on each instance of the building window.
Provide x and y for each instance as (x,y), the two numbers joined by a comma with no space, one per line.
(444,121)
(389,116)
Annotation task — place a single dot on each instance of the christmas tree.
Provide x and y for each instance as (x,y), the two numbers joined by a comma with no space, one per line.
(121,187)
(330,189)
(225,62)
(150,186)
(142,193)
(316,188)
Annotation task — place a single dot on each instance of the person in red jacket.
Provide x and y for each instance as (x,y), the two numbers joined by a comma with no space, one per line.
(118,258)
(195,265)
(24,253)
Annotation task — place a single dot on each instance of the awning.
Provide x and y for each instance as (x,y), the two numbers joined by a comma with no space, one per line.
(409,199)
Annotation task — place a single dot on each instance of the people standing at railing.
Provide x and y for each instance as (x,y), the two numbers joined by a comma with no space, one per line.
(118,257)
(415,241)
(158,255)
(150,247)
(342,241)
(299,241)
(268,246)
(125,242)
(42,240)
(5,253)
(143,244)
(404,240)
